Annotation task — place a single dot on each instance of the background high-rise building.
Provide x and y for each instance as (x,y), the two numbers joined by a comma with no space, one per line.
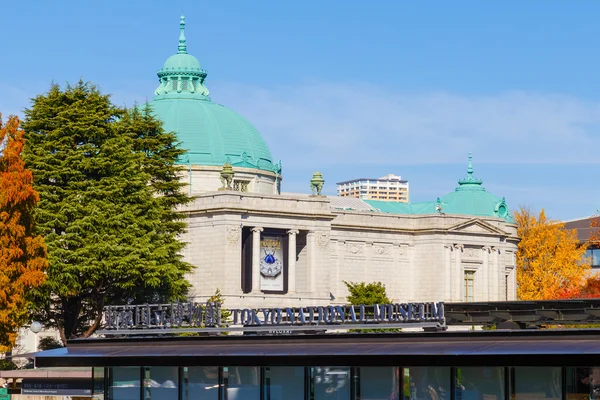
(389,188)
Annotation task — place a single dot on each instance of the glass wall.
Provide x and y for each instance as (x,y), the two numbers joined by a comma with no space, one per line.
(583,383)
(124,383)
(427,383)
(331,383)
(98,377)
(346,383)
(534,383)
(284,383)
(242,383)
(379,383)
(479,383)
(200,383)
(160,383)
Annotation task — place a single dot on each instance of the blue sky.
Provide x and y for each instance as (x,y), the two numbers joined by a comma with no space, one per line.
(356,88)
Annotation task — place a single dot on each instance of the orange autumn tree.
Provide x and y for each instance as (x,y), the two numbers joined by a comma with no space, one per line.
(23,257)
(591,286)
(549,258)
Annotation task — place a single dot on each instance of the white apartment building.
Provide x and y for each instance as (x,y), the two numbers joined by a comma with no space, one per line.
(388,188)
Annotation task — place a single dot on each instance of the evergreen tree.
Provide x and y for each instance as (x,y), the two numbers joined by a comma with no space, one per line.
(23,257)
(366,293)
(111,236)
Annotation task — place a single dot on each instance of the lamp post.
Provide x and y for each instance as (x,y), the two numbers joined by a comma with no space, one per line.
(36,328)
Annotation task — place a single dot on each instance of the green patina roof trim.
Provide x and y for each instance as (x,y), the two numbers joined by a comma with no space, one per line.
(211,133)
(469,198)
(182,48)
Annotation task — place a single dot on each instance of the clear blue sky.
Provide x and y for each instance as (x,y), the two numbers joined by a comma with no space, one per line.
(356,88)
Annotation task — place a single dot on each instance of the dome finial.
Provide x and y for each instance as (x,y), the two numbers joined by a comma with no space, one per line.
(470,167)
(470,180)
(182,48)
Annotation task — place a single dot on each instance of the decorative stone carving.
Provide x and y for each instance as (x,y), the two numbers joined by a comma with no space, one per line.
(382,250)
(233,235)
(227,176)
(471,252)
(316,183)
(322,240)
(403,251)
(355,248)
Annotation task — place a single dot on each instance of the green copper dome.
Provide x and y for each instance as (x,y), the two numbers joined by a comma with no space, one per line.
(179,62)
(211,133)
(469,198)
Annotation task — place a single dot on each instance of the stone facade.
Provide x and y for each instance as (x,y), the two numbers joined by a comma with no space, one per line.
(417,257)
(200,179)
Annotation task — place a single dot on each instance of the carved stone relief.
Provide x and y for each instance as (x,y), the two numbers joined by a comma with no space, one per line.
(382,250)
(233,235)
(322,240)
(472,253)
(354,248)
(403,251)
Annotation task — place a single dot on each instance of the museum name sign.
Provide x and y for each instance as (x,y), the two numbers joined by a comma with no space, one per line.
(210,315)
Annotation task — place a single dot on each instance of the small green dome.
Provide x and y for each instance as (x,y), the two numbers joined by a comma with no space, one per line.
(469,198)
(182,62)
(211,133)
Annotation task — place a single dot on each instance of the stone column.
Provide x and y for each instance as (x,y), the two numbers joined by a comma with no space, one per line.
(292,260)
(458,280)
(256,259)
(496,282)
(311,262)
(487,275)
(448,273)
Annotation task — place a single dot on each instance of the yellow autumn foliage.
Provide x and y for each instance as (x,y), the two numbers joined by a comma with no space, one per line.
(549,259)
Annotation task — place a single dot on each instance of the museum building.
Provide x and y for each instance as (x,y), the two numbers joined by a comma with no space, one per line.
(263,247)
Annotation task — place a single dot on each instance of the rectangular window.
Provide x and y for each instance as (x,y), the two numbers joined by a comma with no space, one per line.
(379,383)
(593,257)
(240,186)
(426,383)
(331,383)
(200,383)
(480,383)
(536,382)
(284,383)
(160,383)
(124,383)
(241,383)
(469,286)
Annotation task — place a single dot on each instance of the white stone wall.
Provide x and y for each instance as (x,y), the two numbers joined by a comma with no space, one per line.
(203,179)
(417,257)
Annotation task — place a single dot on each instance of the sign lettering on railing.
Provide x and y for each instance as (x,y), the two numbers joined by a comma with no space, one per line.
(208,315)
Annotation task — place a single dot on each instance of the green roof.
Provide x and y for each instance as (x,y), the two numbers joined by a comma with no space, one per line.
(469,198)
(211,133)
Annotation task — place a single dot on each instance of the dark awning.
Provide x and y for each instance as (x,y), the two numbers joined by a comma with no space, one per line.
(511,348)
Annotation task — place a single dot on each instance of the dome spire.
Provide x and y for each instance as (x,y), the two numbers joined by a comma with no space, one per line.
(470,180)
(182,48)
(470,167)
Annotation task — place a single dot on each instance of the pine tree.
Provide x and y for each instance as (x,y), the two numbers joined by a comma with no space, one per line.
(160,151)
(22,252)
(111,236)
